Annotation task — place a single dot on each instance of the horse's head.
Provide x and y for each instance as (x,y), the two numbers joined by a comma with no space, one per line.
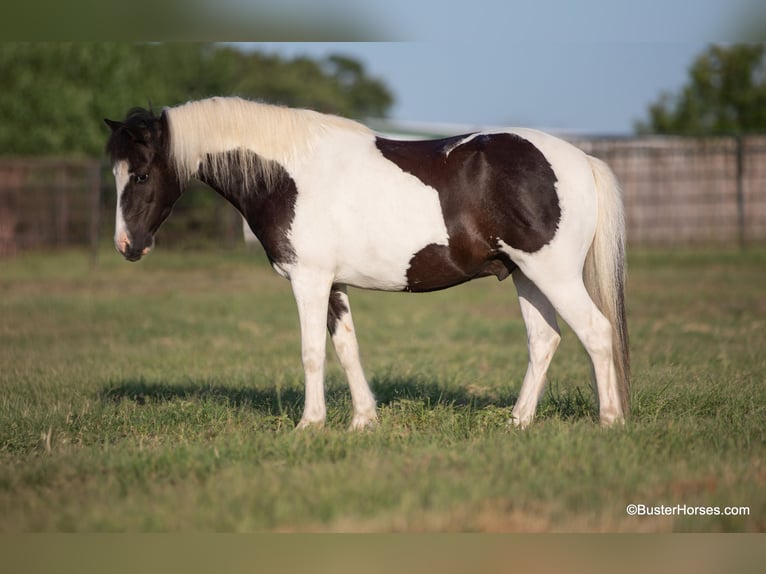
(147,183)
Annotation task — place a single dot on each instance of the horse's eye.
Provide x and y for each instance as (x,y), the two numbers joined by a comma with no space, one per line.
(141,178)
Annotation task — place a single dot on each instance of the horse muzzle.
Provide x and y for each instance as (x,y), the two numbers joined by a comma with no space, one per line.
(133,251)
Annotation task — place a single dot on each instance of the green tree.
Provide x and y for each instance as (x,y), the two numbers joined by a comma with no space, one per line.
(364,95)
(336,84)
(725,94)
(55,95)
(52,94)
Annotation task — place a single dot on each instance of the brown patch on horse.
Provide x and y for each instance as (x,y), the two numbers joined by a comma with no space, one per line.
(335,311)
(492,187)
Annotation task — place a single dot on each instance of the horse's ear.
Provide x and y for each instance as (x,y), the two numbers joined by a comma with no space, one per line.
(113,125)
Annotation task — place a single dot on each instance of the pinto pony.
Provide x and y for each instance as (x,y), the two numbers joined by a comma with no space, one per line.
(334,204)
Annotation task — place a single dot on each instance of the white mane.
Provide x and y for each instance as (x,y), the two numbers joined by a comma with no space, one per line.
(217,125)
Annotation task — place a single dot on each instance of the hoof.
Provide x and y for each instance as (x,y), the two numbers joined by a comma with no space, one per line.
(520,423)
(611,417)
(307,424)
(364,422)
(612,422)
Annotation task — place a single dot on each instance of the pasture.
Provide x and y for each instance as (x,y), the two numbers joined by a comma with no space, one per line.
(162,396)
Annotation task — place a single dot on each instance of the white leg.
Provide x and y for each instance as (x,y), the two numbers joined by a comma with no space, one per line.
(543,338)
(575,306)
(311,292)
(341,327)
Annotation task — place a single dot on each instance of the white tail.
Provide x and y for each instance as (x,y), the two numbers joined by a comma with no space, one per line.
(604,272)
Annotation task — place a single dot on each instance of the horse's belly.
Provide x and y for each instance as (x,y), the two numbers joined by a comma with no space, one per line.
(366,221)
(379,262)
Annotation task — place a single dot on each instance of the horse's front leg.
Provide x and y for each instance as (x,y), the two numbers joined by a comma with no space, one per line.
(312,292)
(341,327)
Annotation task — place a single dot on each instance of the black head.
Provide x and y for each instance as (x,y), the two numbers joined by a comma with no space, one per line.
(147,183)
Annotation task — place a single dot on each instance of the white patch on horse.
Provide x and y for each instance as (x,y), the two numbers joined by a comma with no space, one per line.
(121,178)
(360,216)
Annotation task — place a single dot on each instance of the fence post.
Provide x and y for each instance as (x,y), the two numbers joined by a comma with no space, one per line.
(740,191)
(94,178)
(61,202)
(10,190)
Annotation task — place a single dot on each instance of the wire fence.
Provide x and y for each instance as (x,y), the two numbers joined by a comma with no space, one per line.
(677,191)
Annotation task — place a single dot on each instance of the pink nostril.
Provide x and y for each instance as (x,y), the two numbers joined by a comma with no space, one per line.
(122,243)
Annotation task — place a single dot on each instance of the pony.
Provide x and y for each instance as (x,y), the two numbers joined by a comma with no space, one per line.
(335,205)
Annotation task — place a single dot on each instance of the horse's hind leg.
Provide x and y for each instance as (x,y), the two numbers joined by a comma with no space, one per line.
(575,306)
(543,338)
(341,327)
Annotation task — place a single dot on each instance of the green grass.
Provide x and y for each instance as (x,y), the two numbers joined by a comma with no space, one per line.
(164,395)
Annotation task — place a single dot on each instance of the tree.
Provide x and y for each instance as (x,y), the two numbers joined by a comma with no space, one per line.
(725,94)
(55,95)
(365,95)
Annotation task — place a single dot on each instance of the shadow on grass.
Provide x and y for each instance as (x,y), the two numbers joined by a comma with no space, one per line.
(276,400)
(388,390)
(271,400)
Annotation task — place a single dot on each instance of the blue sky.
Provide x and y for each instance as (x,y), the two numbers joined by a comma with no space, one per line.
(589,66)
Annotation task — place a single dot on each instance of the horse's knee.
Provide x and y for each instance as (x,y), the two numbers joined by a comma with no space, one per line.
(313,360)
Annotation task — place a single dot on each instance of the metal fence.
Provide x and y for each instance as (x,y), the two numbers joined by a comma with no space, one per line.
(677,191)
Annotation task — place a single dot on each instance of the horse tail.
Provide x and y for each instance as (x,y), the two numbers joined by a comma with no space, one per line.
(605,271)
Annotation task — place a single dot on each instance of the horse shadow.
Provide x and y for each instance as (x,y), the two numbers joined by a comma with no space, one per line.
(278,400)
(389,390)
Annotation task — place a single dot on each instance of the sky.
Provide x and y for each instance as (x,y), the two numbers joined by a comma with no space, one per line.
(582,66)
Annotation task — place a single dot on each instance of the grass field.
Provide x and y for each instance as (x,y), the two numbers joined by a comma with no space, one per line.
(163,396)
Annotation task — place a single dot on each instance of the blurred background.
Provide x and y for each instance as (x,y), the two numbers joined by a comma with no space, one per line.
(660,91)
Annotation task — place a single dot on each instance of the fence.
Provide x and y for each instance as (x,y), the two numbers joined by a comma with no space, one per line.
(680,191)
(677,191)
(48,202)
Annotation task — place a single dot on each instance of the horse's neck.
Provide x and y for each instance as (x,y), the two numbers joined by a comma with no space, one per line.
(235,185)
(263,192)
(234,174)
